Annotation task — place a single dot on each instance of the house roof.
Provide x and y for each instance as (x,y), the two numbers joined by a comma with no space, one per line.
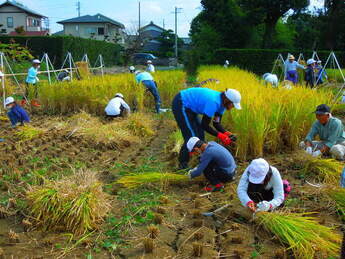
(98,18)
(152,24)
(22,7)
(30,33)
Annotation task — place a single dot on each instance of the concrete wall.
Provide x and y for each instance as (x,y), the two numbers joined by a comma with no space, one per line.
(91,30)
(20,18)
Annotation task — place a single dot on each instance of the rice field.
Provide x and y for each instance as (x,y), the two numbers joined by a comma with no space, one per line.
(76,185)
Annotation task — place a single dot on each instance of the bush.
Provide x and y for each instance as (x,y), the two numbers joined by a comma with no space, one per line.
(261,61)
(57,48)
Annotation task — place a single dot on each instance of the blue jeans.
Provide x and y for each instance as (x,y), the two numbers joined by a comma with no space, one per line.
(13,118)
(151,86)
(190,125)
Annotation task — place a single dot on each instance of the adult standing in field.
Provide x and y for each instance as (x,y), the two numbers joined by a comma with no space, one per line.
(16,113)
(147,80)
(331,133)
(190,103)
(309,73)
(261,187)
(290,67)
(150,67)
(216,163)
(117,107)
(32,80)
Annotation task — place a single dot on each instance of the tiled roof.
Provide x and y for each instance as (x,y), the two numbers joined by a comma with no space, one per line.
(98,18)
(21,6)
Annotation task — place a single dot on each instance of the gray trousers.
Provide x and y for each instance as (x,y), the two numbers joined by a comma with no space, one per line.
(337,151)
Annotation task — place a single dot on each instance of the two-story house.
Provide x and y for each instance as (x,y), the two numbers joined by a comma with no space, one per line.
(149,34)
(15,15)
(98,27)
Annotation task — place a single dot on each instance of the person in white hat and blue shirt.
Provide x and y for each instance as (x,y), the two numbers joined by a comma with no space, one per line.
(16,113)
(117,107)
(216,163)
(261,187)
(192,102)
(32,79)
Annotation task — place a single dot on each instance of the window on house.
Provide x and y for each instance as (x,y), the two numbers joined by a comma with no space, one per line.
(36,23)
(29,23)
(100,31)
(10,22)
(91,30)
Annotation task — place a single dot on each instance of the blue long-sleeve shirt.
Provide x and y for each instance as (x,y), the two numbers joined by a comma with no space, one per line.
(217,154)
(143,76)
(331,133)
(32,76)
(20,112)
(292,66)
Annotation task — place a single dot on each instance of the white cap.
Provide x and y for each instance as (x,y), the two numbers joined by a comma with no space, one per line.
(265,75)
(235,97)
(137,72)
(258,170)
(36,61)
(9,100)
(119,95)
(319,61)
(310,61)
(291,57)
(191,143)
(149,62)
(131,68)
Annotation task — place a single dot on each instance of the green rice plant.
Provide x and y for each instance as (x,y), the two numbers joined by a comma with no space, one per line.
(28,132)
(302,233)
(338,196)
(135,180)
(271,119)
(324,170)
(75,204)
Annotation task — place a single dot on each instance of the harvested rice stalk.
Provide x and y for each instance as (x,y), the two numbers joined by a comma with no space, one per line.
(3,118)
(134,180)
(338,196)
(325,170)
(28,132)
(174,143)
(302,233)
(75,204)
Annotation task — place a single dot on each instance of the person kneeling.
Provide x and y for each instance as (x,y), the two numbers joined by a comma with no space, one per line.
(331,133)
(261,187)
(117,107)
(216,163)
(16,114)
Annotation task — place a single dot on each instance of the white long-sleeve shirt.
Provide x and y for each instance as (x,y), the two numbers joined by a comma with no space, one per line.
(150,68)
(113,107)
(276,183)
(272,79)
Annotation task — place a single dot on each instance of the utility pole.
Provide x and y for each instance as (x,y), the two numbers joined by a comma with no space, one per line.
(163,24)
(78,8)
(139,19)
(177,11)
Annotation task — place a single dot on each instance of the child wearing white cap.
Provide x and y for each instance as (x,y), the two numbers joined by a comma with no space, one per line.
(216,163)
(261,187)
(117,107)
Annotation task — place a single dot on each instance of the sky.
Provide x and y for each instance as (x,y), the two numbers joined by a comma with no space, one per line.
(124,11)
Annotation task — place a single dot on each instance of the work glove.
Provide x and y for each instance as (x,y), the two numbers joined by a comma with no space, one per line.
(264,206)
(232,137)
(224,138)
(309,150)
(317,153)
(251,205)
(190,172)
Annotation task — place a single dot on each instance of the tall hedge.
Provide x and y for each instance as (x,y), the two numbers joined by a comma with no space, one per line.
(58,46)
(261,61)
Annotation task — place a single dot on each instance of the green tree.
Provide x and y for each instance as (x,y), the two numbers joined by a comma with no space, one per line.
(269,13)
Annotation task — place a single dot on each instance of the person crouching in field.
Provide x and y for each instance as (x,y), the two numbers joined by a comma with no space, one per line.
(261,187)
(216,163)
(117,107)
(309,73)
(331,133)
(16,114)
(271,79)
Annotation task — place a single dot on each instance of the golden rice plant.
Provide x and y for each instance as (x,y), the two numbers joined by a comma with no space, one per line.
(338,196)
(28,132)
(135,180)
(302,233)
(174,143)
(271,119)
(75,204)
(324,170)
(93,94)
